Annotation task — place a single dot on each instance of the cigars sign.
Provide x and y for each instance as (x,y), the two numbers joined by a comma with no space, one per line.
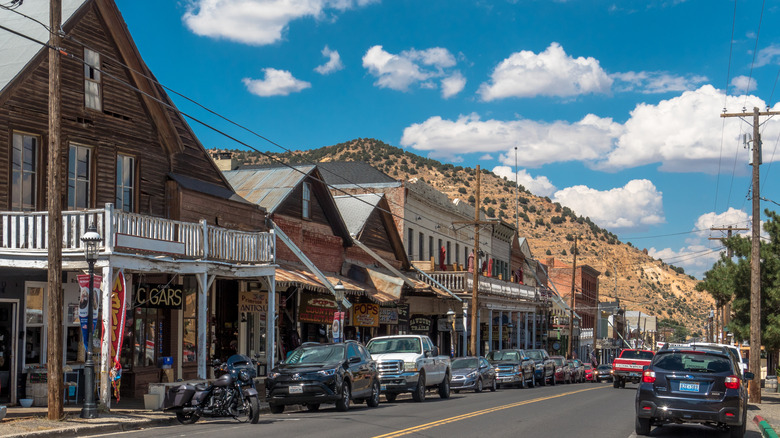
(159,296)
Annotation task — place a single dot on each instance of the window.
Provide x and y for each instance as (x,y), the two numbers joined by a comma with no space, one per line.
(410,243)
(449,248)
(146,346)
(125,183)
(306,214)
(34,324)
(92,80)
(457,253)
(430,247)
(421,244)
(24,187)
(189,327)
(79,176)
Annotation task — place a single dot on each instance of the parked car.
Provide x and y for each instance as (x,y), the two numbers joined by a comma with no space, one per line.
(513,367)
(603,373)
(577,370)
(589,373)
(562,370)
(544,367)
(691,385)
(324,373)
(410,363)
(472,373)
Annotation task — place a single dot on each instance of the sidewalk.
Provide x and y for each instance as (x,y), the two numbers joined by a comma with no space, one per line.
(769,409)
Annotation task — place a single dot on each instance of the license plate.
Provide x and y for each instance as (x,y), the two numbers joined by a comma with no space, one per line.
(297,389)
(689,386)
(384,387)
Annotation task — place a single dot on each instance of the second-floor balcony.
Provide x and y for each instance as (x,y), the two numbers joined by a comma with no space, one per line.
(462,282)
(129,233)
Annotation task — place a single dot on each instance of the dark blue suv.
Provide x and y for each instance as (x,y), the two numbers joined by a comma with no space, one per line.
(690,385)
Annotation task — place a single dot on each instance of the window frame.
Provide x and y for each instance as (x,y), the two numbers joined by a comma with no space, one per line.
(120,185)
(92,79)
(43,325)
(76,179)
(35,173)
(306,201)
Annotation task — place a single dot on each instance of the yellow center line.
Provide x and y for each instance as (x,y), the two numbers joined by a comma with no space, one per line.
(444,421)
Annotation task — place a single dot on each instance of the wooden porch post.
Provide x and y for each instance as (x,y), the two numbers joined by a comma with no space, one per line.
(105,350)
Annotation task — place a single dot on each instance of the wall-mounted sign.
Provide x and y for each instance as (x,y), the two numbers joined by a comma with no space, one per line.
(365,315)
(445,326)
(159,296)
(420,324)
(253,302)
(388,315)
(403,317)
(318,309)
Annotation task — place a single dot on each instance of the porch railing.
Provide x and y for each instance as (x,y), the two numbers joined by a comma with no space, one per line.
(463,281)
(28,232)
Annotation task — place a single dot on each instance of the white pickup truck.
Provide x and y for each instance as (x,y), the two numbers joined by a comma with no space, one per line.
(410,363)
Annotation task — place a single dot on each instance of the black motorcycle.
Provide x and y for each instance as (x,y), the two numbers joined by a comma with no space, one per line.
(232,394)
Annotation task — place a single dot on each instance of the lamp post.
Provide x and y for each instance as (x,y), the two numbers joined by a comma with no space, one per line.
(91,241)
(451,321)
(338,292)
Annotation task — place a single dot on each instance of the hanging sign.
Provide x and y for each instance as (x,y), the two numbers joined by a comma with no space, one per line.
(365,315)
(420,324)
(403,317)
(252,301)
(159,297)
(318,309)
(388,315)
(338,327)
(84,303)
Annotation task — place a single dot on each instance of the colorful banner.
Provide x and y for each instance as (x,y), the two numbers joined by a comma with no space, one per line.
(118,313)
(365,315)
(84,304)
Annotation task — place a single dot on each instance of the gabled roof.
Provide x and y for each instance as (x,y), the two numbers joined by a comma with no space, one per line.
(351,173)
(269,186)
(197,185)
(355,210)
(16,52)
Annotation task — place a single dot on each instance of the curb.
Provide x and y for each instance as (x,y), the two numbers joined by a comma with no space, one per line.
(766,429)
(84,430)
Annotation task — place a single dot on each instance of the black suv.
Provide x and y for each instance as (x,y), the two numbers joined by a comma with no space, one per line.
(544,367)
(324,373)
(691,385)
(513,367)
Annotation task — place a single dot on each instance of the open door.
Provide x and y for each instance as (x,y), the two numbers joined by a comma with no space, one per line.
(9,329)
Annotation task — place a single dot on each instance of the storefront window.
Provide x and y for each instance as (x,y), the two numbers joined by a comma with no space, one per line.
(190,327)
(34,325)
(145,337)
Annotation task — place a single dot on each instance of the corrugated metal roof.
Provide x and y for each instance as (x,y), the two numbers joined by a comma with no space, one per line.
(267,187)
(208,188)
(355,210)
(16,52)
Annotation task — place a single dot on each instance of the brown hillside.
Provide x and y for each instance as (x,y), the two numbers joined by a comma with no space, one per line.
(643,283)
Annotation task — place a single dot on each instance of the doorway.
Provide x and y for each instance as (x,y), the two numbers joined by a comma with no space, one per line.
(8,350)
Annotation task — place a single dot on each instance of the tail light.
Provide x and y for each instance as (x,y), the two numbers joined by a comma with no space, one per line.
(648,376)
(732,382)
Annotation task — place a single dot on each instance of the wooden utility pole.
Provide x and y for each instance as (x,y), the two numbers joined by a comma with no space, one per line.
(572,300)
(55,299)
(724,313)
(754,387)
(475,285)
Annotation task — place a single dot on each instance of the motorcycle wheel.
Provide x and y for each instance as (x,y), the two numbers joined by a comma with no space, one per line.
(254,409)
(187,418)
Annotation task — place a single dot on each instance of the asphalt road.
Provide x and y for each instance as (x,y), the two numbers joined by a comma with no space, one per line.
(578,410)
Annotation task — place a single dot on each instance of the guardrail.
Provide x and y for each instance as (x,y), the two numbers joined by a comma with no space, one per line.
(463,281)
(28,231)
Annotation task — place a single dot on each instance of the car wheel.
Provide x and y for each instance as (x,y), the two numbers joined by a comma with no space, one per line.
(313,407)
(342,404)
(373,401)
(552,380)
(391,396)
(494,386)
(444,387)
(642,426)
(478,386)
(532,383)
(543,381)
(419,393)
(622,383)
(523,383)
(615,384)
(737,431)
(498,386)
(276,409)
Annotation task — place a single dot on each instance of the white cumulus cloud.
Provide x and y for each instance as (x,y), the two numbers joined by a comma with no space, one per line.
(410,67)
(768,55)
(695,258)
(275,83)
(632,206)
(257,22)
(332,65)
(650,82)
(548,73)
(539,186)
(731,217)
(744,84)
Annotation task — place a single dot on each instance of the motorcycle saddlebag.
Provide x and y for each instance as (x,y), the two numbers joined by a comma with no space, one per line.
(178,396)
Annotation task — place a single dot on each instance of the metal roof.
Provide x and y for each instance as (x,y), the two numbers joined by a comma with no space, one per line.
(356,209)
(267,187)
(351,173)
(16,52)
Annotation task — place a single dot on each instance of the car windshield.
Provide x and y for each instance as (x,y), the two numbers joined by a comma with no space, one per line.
(535,355)
(316,354)
(394,345)
(503,355)
(464,363)
(604,368)
(558,360)
(693,362)
(637,354)
(588,367)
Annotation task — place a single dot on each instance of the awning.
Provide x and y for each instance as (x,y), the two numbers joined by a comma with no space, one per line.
(289,275)
(380,286)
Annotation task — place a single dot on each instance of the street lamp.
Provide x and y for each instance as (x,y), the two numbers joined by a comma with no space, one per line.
(451,321)
(91,241)
(338,292)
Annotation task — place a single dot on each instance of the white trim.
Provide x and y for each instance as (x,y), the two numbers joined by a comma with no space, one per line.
(44,324)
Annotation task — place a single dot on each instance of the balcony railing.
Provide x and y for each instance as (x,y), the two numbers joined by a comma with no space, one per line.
(463,281)
(28,232)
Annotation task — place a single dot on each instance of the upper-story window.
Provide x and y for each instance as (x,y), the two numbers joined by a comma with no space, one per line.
(410,243)
(79,176)
(306,197)
(92,98)
(24,178)
(125,183)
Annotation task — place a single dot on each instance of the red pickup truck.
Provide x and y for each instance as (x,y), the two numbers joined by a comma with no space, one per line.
(628,366)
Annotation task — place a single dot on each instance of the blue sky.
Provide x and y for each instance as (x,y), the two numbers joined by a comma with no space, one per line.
(613,105)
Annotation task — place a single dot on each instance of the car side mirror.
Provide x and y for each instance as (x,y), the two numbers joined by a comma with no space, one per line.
(749,376)
(354,359)
(427,353)
(435,351)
